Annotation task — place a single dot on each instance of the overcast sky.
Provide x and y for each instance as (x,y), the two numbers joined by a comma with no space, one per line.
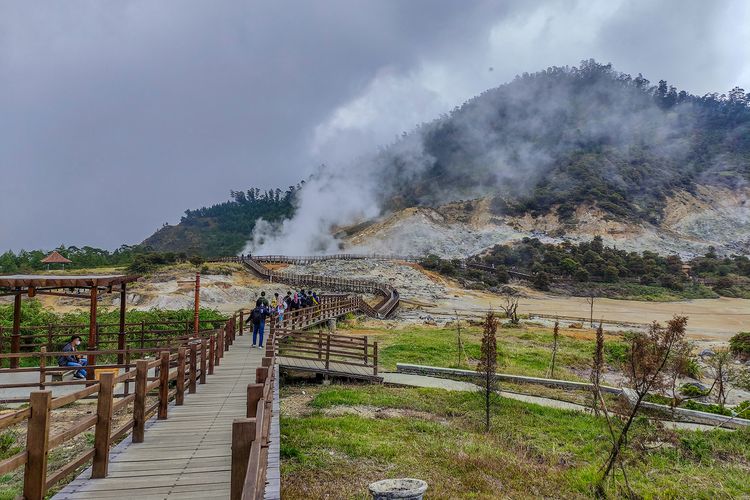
(116,116)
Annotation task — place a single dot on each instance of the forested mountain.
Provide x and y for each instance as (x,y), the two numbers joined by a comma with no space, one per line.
(547,142)
(224,228)
(565,136)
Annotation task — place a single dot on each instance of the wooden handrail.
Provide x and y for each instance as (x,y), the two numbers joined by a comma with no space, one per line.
(172,366)
(250,435)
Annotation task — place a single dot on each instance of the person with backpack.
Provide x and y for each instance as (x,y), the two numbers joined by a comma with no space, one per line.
(73,359)
(288,301)
(258,318)
(315,298)
(262,300)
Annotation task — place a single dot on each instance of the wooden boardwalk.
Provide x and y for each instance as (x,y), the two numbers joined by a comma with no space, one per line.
(189,454)
(334,368)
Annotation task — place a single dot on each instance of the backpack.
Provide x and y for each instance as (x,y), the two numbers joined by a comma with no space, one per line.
(257,315)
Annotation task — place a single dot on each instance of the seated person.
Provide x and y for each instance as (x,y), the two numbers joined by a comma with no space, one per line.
(73,359)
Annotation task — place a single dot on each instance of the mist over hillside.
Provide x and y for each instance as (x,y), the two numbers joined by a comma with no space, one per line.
(546,143)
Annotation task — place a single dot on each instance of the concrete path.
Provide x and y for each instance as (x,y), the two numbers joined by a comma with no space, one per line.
(404,379)
(189,454)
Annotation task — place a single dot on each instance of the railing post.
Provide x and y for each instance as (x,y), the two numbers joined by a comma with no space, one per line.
(193,367)
(179,398)
(365,350)
(203,361)
(243,435)
(49,339)
(375,358)
(163,385)
(126,386)
(242,321)
(139,405)
(120,346)
(328,351)
(211,353)
(42,367)
(261,373)
(103,426)
(254,393)
(37,440)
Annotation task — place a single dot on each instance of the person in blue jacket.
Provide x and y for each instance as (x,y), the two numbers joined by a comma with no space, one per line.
(73,359)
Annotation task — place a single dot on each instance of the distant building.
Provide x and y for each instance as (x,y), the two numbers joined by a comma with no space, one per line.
(56,258)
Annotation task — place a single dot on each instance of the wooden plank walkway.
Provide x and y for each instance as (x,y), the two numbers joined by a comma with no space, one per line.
(334,368)
(189,454)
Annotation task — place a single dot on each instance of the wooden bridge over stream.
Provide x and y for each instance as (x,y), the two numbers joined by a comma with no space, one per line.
(191,416)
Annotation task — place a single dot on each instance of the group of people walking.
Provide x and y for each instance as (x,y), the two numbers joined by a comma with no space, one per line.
(276,309)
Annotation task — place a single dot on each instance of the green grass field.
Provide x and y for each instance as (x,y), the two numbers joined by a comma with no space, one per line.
(523,350)
(530,452)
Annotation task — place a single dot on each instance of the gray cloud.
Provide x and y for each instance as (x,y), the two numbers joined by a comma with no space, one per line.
(117,116)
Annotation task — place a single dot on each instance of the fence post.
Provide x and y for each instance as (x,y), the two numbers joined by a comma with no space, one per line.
(163,385)
(139,405)
(49,339)
(42,367)
(227,339)
(243,434)
(260,374)
(193,366)
(242,321)
(143,332)
(328,351)
(375,359)
(254,393)
(219,346)
(126,387)
(211,353)
(320,345)
(203,360)
(120,346)
(365,350)
(37,440)
(179,398)
(103,426)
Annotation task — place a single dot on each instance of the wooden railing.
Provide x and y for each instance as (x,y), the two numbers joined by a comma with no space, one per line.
(331,352)
(250,435)
(330,307)
(142,335)
(307,259)
(188,366)
(385,307)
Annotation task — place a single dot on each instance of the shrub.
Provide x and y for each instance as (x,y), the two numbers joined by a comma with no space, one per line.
(692,391)
(742,410)
(718,410)
(739,345)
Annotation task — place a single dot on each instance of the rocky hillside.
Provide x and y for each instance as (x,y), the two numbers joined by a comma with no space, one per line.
(710,216)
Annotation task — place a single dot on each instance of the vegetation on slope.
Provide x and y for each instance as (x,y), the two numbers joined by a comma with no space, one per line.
(224,228)
(566,136)
(591,267)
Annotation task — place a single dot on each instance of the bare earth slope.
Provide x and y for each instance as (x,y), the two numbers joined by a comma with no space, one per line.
(712,216)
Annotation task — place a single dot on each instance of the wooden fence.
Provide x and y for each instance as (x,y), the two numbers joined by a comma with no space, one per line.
(327,353)
(250,435)
(188,366)
(388,303)
(142,335)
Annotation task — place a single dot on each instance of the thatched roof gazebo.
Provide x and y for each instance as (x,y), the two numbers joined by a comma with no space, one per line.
(56,258)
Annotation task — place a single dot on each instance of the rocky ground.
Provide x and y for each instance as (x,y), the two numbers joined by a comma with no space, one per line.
(429,297)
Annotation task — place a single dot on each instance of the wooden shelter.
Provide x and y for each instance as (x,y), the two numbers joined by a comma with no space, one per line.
(56,258)
(84,287)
